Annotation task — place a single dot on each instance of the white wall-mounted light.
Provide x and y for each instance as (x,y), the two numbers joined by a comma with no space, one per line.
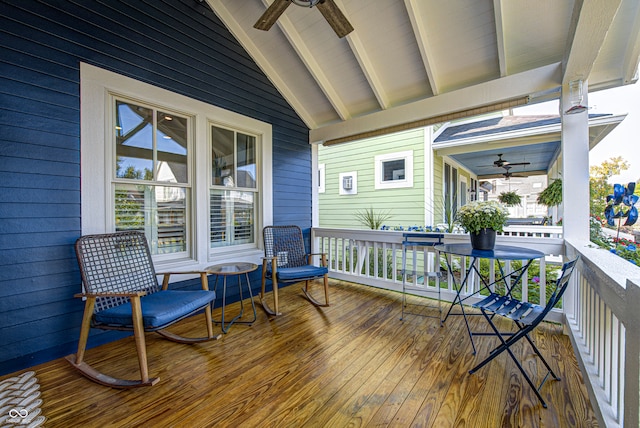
(576,96)
(347,182)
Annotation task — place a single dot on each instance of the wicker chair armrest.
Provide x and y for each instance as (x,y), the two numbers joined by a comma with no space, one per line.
(107,294)
(190,272)
(317,254)
(323,258)
(203,277)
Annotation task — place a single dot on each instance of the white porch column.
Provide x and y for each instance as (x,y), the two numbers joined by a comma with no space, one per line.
(427,168)
(575,168)
(315,200)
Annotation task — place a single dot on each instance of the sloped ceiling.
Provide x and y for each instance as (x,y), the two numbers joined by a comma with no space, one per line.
(415,59)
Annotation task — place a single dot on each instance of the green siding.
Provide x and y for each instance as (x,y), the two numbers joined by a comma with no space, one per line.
(438,191)
(406,205)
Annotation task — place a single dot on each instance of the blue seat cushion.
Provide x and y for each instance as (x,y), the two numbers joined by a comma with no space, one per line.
(301,273)
(158,309)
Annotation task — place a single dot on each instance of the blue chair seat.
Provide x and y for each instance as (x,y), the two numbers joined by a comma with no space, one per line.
(158,309)
(301,273)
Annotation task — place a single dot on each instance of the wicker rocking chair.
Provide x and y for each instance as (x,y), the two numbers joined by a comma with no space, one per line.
(121,292)
(286,261)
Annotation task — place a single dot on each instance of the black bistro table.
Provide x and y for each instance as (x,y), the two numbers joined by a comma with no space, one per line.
(238,269)
(499,253)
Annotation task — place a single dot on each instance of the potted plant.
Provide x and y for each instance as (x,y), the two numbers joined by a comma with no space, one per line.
(510,199)
(372,219)
(552,195)
(482,219)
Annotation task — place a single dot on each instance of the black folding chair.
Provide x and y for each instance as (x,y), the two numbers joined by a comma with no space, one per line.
(526,316)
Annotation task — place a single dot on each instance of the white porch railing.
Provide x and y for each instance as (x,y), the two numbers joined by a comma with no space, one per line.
(603,320)
(601,310)
(374,257)
(537,231)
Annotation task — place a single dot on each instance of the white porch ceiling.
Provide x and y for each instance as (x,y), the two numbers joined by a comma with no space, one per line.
(415,59)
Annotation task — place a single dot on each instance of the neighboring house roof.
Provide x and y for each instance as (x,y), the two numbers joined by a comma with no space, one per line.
(497,125)
(531,138)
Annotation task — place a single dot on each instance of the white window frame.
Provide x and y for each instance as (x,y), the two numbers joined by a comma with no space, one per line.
(97,157)
(321,178)
(407,156)
(188,185)
(463,198)
(256,191)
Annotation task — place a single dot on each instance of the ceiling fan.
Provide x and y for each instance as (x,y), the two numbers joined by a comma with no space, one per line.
(327,8)
(508,174)
(503,162)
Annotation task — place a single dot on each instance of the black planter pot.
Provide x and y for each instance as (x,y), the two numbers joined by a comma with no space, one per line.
(484,240)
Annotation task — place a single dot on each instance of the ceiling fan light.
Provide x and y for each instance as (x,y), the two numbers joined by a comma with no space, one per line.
(305,3)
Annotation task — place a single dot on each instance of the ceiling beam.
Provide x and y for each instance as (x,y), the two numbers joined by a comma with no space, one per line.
(502,55)
(498,90)
(420,31)
(241,35)
(590,23)
(301,48)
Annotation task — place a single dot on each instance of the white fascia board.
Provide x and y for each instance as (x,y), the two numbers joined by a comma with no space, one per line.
(502,89)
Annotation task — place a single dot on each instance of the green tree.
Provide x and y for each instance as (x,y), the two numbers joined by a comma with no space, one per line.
(599,186)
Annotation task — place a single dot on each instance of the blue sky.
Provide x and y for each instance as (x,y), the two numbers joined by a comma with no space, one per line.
(624,140)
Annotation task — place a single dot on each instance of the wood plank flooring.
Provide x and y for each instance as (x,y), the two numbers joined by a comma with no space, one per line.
(352,364)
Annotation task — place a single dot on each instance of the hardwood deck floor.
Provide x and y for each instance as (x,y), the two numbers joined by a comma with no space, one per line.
(351,364)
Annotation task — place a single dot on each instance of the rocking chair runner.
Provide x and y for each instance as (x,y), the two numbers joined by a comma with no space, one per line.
(286,261)
(122,293)
(526,317)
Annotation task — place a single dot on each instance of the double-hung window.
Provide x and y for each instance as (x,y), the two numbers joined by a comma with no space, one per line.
(234,187)
(195,178)
(151,186)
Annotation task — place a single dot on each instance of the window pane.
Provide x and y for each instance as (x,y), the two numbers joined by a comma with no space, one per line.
(134,141)
(232,218)
(159,211)
(222,145)
(393,170)
(171,140)
(246,161)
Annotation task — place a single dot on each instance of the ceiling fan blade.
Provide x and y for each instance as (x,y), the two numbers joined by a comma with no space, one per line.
(335,17)
(271,15)
(515,163)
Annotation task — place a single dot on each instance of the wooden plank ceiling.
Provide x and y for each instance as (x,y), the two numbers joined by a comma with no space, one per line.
(414,59)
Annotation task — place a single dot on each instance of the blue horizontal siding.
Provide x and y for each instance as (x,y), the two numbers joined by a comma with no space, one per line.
(178,45)
(38,181)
